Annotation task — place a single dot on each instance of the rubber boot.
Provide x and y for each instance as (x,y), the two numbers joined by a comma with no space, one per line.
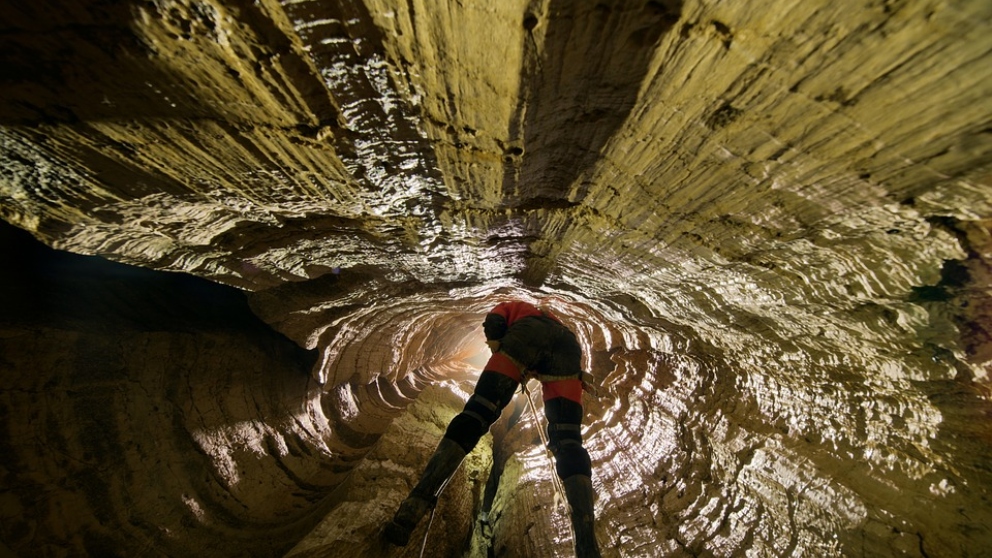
(422,498)
(578,491)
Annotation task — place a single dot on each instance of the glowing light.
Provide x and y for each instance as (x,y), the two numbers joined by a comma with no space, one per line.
(476,352)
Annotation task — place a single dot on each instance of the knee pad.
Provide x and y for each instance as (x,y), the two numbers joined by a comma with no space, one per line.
(483,409)
(572,459)
(563,434)
(492,393)
(465,430)
(565,437)
(473,422)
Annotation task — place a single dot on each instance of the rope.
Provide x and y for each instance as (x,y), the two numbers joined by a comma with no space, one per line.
(559,488)
(423,546)
(427,531)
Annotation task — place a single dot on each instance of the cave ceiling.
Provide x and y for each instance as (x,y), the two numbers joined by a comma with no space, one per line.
(768,222)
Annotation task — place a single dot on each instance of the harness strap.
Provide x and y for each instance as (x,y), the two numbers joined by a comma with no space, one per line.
(580,375)
(476,416)
(565,426)
(484,402)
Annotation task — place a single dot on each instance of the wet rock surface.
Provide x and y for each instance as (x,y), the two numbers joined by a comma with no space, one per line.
(769,226)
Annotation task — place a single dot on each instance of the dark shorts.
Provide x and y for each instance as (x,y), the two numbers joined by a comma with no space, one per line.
(544,346)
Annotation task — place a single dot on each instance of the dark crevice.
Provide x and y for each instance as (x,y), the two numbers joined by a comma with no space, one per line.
(69,290)
(568,108)
(723,116)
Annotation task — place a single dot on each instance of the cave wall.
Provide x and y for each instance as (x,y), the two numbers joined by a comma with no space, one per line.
(769,224)
(147,413)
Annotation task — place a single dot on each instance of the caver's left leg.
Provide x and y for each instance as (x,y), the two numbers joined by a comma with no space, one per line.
(493,391)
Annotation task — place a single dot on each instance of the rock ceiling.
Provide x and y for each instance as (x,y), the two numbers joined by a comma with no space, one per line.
(768,222)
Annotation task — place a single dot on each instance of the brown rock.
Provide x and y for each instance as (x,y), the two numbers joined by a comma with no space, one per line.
(769,225)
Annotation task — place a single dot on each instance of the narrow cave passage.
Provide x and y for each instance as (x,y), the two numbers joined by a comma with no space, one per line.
(769,223)
(157,412)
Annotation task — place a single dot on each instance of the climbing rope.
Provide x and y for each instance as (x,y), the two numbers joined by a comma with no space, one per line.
(430,521)
(559,488)
(423,545)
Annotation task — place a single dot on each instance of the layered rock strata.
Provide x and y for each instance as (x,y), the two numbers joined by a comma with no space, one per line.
(768,223)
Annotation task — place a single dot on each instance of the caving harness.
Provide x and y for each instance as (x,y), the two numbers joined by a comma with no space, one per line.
(585,377)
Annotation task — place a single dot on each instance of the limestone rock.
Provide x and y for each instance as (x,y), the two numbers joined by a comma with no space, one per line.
(769,224)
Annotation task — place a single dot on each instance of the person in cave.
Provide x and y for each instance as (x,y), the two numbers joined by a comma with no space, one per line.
(526,342)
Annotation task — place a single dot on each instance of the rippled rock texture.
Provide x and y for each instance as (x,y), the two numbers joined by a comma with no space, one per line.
(768,222)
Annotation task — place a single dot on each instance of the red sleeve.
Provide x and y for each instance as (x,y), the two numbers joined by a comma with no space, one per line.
(502,309)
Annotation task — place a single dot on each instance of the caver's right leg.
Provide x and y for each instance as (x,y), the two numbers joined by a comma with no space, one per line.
(580,496)
(572,461)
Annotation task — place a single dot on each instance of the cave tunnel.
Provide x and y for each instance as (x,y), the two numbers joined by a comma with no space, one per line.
(249,246)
